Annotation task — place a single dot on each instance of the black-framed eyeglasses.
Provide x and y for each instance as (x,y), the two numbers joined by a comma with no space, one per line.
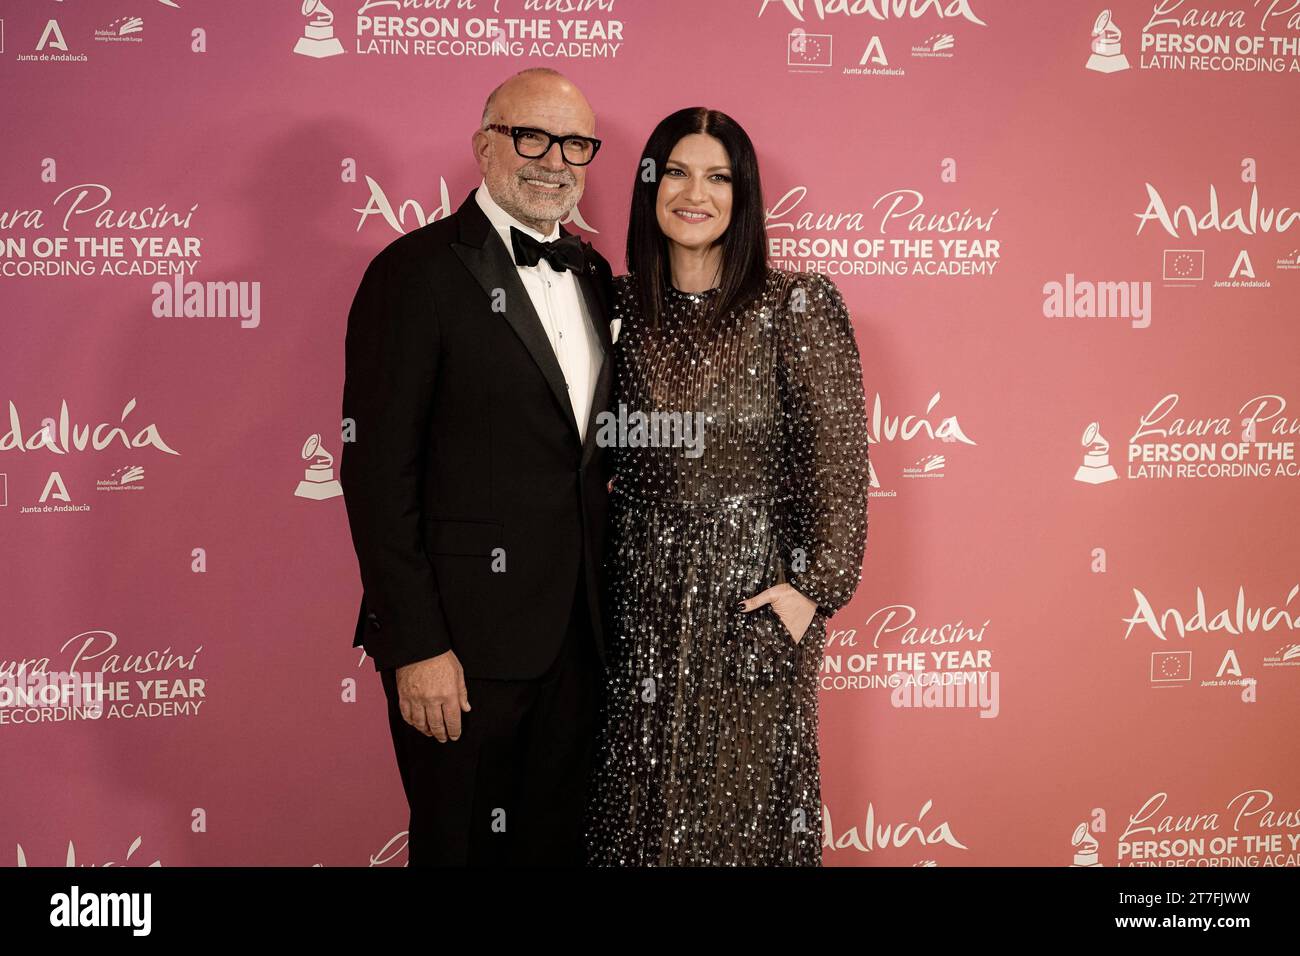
(533,143)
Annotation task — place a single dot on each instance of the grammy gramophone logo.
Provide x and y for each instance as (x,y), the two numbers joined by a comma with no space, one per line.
(1107,57)
(1085,847)
(319,482)
(1096,468)
(318,39)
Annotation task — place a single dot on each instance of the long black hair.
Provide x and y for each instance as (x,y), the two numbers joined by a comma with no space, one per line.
(744,247)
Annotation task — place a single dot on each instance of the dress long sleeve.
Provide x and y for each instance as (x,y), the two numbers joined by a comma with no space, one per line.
(825,447)
(714,766)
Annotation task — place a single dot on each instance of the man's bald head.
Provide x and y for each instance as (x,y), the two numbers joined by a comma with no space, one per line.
(537,81)
(544,99)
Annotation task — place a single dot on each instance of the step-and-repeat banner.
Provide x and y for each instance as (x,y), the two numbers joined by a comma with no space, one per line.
(1068,237)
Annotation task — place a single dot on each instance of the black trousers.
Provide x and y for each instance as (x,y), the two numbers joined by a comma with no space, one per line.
(512,790)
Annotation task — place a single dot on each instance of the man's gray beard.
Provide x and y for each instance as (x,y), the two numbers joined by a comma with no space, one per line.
(523,208)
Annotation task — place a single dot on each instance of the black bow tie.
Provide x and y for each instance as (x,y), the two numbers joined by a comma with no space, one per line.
(563,253)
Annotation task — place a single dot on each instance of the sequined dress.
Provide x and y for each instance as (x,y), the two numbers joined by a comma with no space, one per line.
(708,749)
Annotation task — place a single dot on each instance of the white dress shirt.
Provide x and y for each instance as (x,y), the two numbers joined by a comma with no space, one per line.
(559,302)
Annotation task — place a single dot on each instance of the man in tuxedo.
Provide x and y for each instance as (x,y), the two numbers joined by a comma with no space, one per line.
(478,356)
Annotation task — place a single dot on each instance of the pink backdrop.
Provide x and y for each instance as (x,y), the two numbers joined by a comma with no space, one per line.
(1131,621)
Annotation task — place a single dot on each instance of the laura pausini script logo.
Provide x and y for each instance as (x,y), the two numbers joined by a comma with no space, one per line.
(66,436)
(1193,37)
(877,9)
(1257,442)
(108,241)
(830,242)
(1261,834)
(904,652)
(99,681)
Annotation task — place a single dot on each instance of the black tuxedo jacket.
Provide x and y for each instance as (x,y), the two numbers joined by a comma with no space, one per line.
(475,509)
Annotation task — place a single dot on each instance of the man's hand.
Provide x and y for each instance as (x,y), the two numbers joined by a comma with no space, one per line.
(795,611)
(431,694)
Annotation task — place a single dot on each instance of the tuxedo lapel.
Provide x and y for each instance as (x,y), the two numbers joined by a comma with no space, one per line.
(591,278)
(490,262)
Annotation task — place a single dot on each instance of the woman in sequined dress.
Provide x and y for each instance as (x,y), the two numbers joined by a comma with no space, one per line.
(754,492)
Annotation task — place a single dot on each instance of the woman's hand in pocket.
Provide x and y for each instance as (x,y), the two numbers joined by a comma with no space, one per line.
(795,611)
